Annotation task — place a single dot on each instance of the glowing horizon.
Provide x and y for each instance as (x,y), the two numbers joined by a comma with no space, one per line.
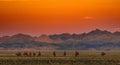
(58,16)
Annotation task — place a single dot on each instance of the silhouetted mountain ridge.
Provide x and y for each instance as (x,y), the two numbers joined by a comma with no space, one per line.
(96,39)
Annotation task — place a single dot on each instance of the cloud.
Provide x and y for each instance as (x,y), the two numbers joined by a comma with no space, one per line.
(88,18)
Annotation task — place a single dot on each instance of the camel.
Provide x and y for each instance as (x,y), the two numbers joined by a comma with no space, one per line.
(103,53)
(54,54)
(76,54)
(18,54)
(64,54)
(39,53)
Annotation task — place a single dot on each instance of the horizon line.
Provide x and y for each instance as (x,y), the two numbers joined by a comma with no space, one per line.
(57,33)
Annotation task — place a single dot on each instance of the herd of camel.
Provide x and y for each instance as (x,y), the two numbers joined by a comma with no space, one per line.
(54,54)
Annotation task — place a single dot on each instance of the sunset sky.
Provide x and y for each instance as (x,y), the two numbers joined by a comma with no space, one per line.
(36,17)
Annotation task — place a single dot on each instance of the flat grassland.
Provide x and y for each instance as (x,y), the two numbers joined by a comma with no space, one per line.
(47,58)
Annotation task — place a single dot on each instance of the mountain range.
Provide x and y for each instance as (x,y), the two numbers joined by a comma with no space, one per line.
(93,40)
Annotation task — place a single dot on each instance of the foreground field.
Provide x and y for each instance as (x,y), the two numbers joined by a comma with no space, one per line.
(85,58)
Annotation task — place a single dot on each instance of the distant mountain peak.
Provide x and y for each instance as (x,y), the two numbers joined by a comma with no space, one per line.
(43,35)
(98,31)
(116,33)
(65,34)
(21,35)
(44,38)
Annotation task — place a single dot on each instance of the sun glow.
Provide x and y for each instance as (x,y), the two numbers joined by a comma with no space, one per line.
(57,16)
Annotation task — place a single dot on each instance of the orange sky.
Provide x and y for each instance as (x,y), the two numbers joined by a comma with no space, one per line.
(37,17)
